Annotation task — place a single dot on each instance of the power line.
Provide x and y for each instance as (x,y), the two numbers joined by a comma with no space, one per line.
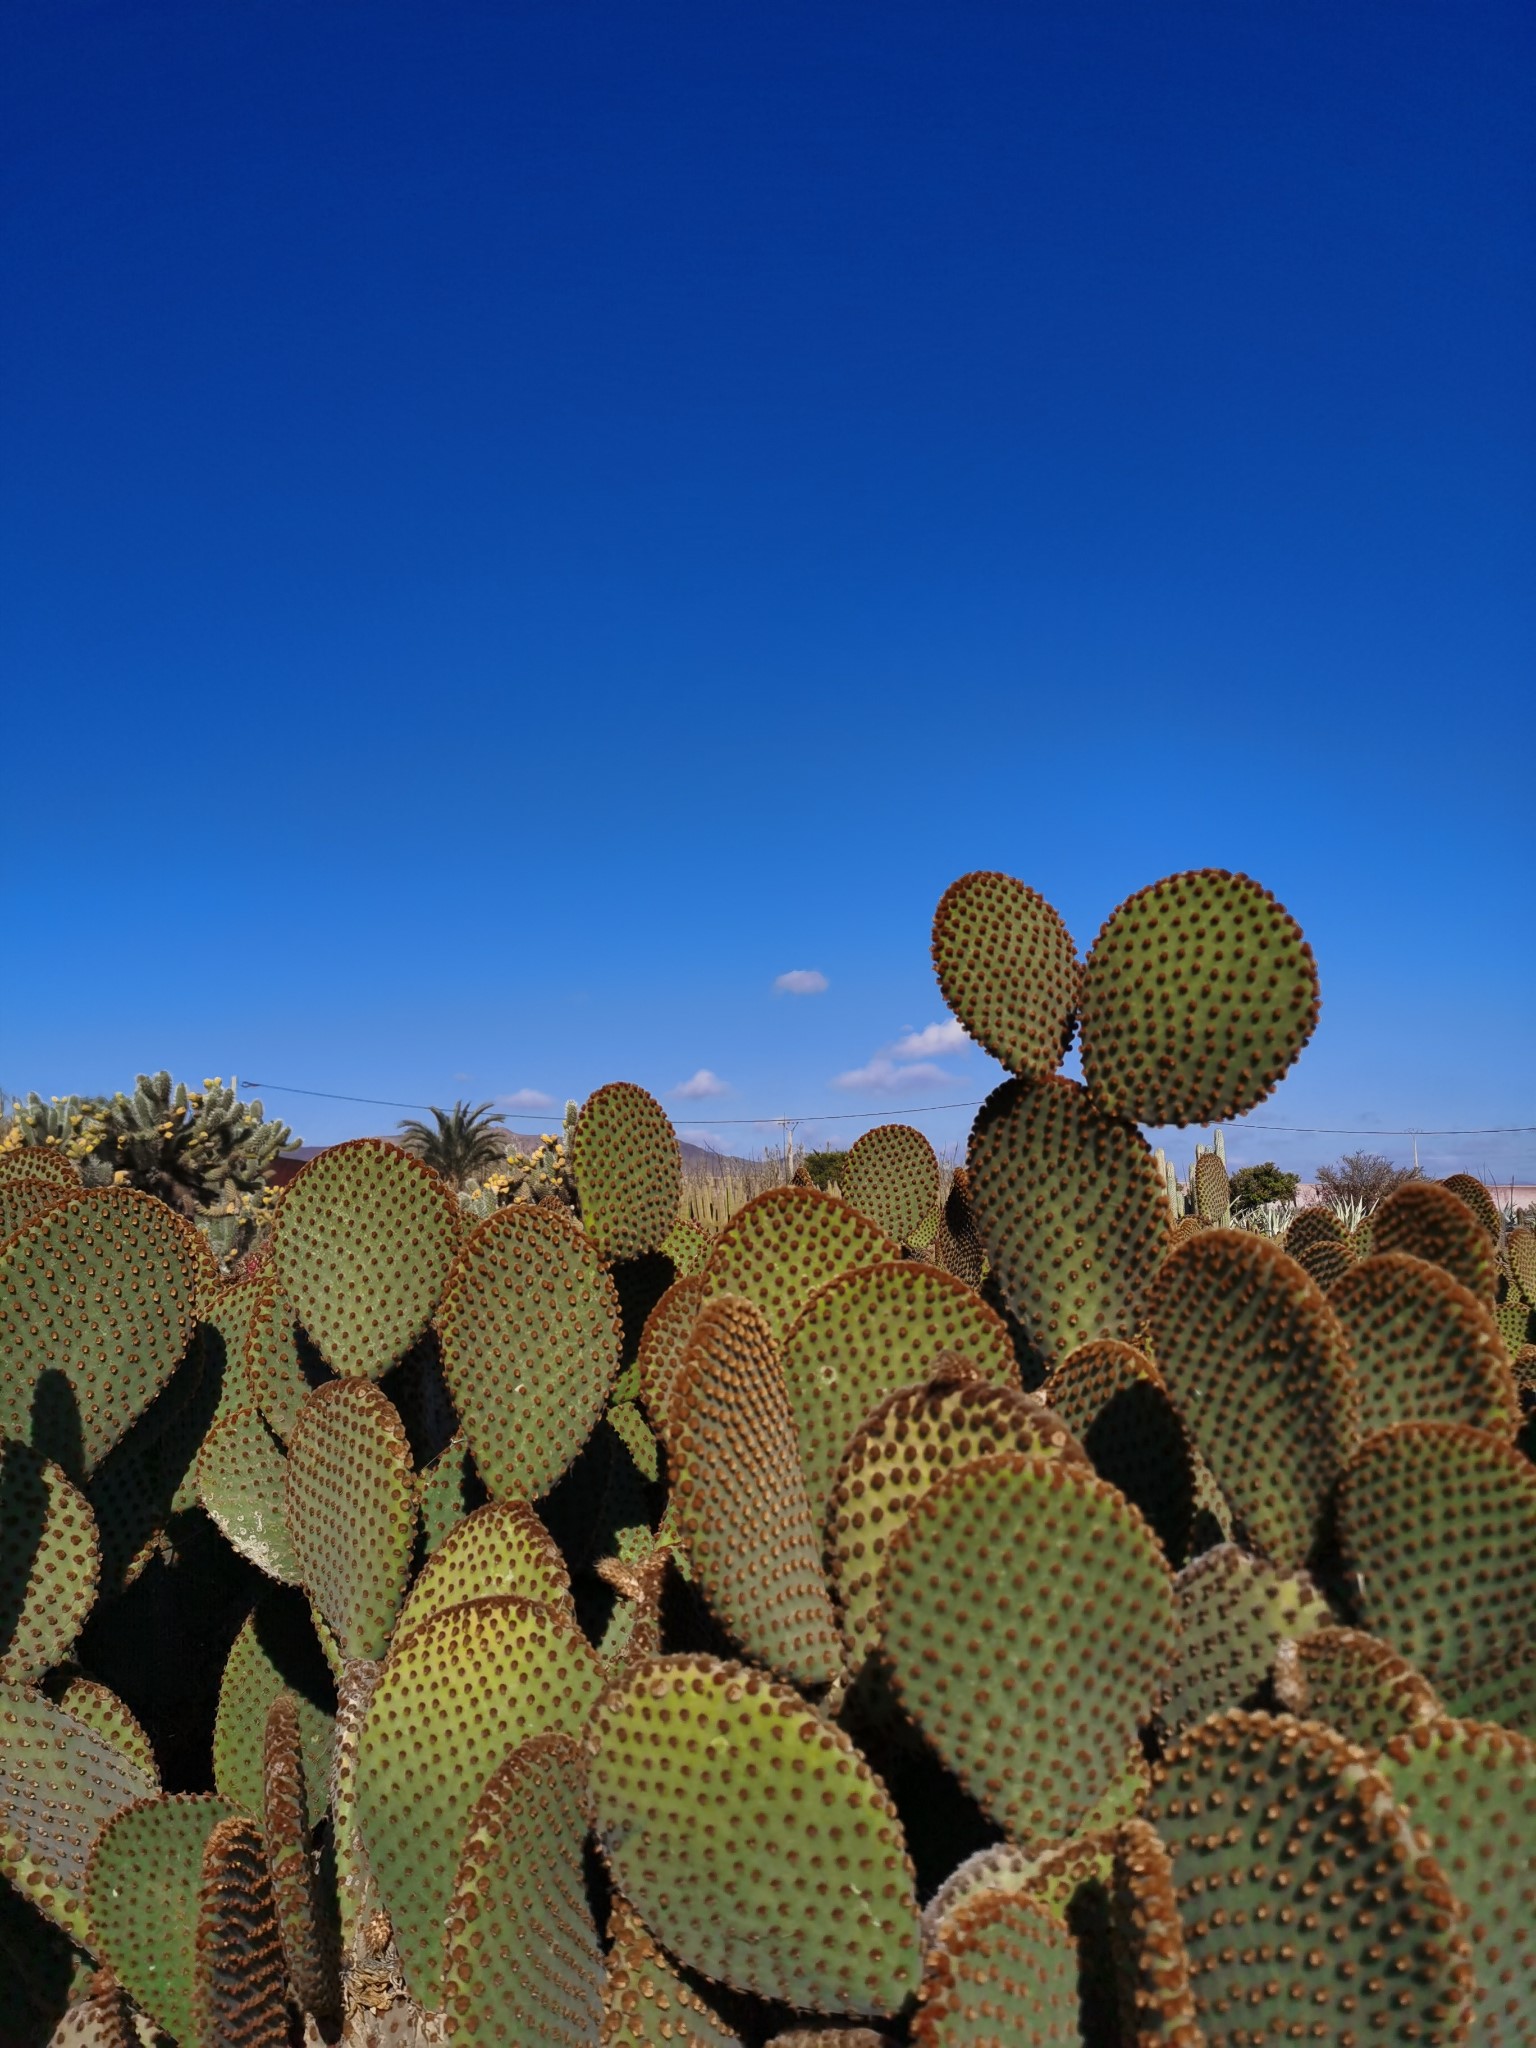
(833,1116)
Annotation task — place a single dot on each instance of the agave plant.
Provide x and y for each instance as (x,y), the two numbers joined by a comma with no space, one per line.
(464,1142)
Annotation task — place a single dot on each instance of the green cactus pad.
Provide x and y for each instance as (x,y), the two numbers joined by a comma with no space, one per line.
(531,1335)
(455,1696)
(1424,1348)
(1438,1526)
(1234,1611)
(275,1652)
(688,1245)
(1354,1682)
(869,1332)
(303,1917)
(210,1281)
(1113,1400)
(753,1838)
(1504,1690)
(241,1476)
(784,1244)
(1198,994)
(97,1303)
(1473,1792)
(362,1244)
(1520,1255)
(524,1961)
(1213,1191)
(39,1162)
(891,1175)
(503,1548)
(1320,1245)
(1030,1686)
(350,1506)
(60,1783)
(21,1200)
(1071,1207)
(239,1991)
(957,1242)
(1428,1221)
(645,2002)
(1479,1201)
(916,1436)
(739,1496)
(143,1888)
(1303,1899)
(1008,969)
(446,1491)
(1004,1969)
(279,1378)
(100,1710)
(663,1344)
(628,1169)
(1255,1361)
(50,1560)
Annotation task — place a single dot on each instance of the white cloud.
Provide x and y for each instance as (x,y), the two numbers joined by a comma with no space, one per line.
(526,1098)
(701,1087)
(950,1036)
(885,1077)
(801,981)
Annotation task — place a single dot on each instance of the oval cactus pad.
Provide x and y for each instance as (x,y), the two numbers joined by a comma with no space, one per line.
(628,1169)
(1008,969)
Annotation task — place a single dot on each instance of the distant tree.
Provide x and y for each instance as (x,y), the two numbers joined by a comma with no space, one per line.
(824,1166)
(1361,1177)
(1252,1185)
(465,1141)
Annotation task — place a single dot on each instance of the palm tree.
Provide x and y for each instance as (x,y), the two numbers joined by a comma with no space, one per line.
(465,1140)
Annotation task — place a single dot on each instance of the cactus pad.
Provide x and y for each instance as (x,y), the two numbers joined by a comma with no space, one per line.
(303,1920)
(49,1563)
(645,2002)
(1157,1998)
(241,1476)
(869,1332)
(100,1710)
(524,1960)
(1030,1685)
(1320,1244)
(1424,1348)
(1071,1207)
(1303,1899)
(1008,969)
(454,1697)
(1113,1400)
(143,1885)
(1479,1201)
(1438,1526)
(957,1242)
(739,1496)
(278,1375)
(275,1652)
(891,1175)
(1234,1612)
(1213,1191)
(531,1334)
(21,1200)
(904,1448)
(446,1491)
(60,1783)
(784,1244)
(364,1238)
(1473,1792)
(1428,1221)
(350,1506)
(688,1244)
(628,1169)
(1355,1683)
(503,1548)
(1520,1255)
(753,1837)
(39,1162)
(1198,994)
(239,1992)
(663,1343)
(1004,1969)
(97,1303)
(1256,1363)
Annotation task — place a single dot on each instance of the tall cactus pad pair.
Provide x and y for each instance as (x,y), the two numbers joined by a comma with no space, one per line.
(98,1297)
(892,1176)
(1070,1204)
(363,1241)
(531,1336)
(629,1171)
(752,1837)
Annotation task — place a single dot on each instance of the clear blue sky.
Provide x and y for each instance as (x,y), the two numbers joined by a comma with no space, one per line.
(523,523)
